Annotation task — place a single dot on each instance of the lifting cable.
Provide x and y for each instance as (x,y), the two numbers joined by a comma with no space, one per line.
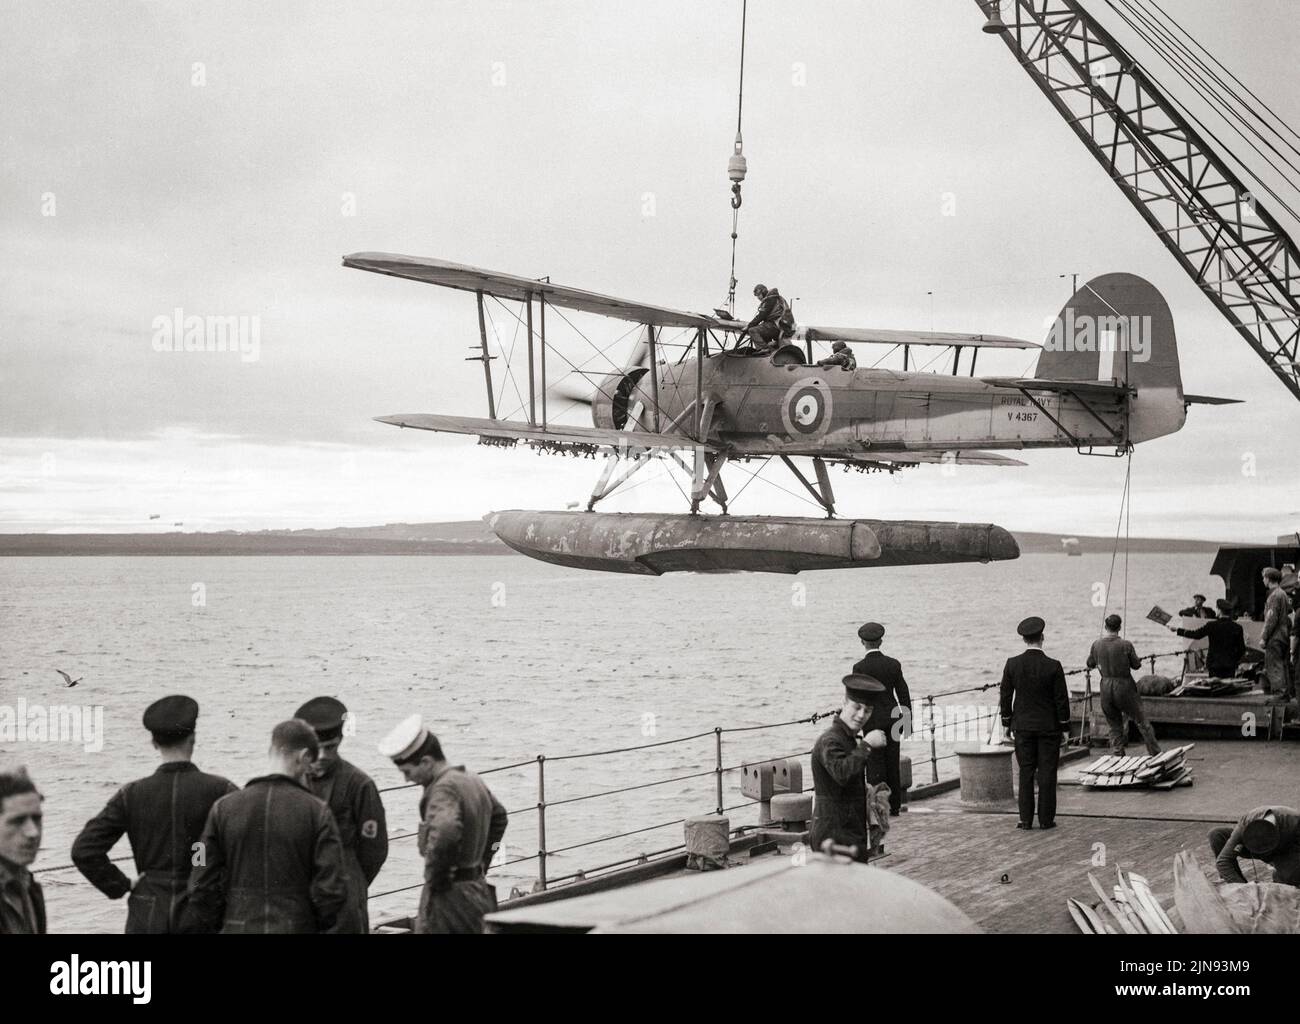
(736,166)
(1125,507)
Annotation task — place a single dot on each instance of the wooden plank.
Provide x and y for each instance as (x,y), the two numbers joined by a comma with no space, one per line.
(1142,900)
(1149,923)
(1143,889)
(1080,918)
(1127,928)
(1099,766)
(1098,925)
(1185,779)
(1128,912)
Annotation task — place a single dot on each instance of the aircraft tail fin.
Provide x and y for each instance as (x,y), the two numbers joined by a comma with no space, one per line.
(1118,328)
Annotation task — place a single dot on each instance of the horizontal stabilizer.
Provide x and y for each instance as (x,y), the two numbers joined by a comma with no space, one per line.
(1209,400)
(1091,388)
(878,336)
(558,433)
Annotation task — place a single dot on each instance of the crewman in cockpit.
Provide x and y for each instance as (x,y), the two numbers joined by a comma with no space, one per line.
(841,355)
(773,322)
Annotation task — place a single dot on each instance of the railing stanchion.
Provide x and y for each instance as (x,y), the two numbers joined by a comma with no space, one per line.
(1085,726)
(541,821)
(717,738)
(934,750)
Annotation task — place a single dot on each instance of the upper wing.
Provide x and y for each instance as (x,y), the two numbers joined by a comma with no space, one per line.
(873,335)
(554,433)
(509,286)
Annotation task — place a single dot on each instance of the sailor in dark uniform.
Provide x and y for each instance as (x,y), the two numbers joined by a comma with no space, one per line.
(895,717)
(162,816)
(838,761)
(1036,705)
(358,810)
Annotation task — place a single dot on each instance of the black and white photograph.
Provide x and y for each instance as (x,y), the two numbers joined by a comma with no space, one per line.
(711,470)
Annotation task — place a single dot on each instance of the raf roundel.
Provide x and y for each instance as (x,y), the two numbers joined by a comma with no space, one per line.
(806,410)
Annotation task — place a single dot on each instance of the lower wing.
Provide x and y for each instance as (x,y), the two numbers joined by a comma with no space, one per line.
(557,434)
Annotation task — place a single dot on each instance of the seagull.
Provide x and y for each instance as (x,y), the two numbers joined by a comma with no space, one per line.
(68,679)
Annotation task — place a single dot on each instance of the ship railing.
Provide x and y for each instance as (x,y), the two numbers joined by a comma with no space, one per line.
(718,771)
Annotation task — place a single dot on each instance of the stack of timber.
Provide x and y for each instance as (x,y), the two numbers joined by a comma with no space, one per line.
(1129,909)
(1157,771)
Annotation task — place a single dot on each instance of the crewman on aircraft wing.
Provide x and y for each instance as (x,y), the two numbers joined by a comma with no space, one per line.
(773,321)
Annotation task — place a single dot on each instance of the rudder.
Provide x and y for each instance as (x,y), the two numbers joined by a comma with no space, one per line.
(1118,327)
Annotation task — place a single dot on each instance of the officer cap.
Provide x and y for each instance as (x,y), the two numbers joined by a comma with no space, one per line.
(171,718)
(1260,836)
(872,631)
(325,715)
(862,688)
(406,738)
(1031,626)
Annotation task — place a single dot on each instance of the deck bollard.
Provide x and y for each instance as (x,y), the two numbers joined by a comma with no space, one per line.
(986,783)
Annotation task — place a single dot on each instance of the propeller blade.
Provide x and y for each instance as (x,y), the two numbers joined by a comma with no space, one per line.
(641,353)
(573,395)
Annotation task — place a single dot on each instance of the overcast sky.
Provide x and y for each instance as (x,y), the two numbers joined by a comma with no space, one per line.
(221,157)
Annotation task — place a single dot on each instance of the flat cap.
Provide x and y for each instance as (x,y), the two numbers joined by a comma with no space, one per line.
(172,716)
(325,715)
(406,738)
(862,688)
(1031,626)
(871,631)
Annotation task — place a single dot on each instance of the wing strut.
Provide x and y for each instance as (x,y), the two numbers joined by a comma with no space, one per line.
(824,497)
(485,358)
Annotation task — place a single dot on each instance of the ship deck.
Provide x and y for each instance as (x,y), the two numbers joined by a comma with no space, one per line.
(963,855)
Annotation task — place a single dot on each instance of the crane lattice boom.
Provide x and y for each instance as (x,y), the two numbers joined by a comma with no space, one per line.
(1230,245)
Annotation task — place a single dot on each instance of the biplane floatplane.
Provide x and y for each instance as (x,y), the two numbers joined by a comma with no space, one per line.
(1107,378)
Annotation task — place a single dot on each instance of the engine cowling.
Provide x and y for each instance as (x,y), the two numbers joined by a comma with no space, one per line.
(616,397)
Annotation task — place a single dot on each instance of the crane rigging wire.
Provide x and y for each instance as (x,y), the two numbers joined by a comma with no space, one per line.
(1223,148)
(1210,90)
(1207,89)
(1228,71)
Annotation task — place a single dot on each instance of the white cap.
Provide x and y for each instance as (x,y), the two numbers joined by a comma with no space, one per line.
(405,739)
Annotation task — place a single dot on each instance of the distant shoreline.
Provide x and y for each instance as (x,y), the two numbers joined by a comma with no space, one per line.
(424,539)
